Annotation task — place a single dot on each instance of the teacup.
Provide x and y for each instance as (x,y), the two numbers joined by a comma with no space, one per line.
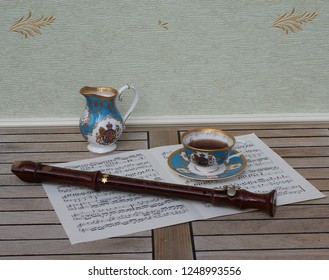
(209,149)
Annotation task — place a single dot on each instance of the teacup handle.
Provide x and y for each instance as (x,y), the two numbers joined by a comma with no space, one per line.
(134,103)
(238,154)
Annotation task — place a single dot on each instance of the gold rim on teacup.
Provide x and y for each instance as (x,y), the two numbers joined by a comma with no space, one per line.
(214,130)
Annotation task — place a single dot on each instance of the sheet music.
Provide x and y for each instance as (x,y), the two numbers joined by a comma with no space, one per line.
(87,215)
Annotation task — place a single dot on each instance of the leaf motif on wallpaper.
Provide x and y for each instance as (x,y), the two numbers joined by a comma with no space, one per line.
(290,22)
(163,24)
(28,26)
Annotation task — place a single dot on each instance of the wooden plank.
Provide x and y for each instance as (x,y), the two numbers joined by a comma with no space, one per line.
(5,168)
(314,173)
(49,157)
(312,162)
(173,242)
(61,137)
(35,231)
(13,180)
(264,254)
(324,200)
(302,152)
(320,184)
(64,146)
(30,232)
(29,217)
(41,138)
(64,247)
(274,226)
(283,133)
(22,191)
(170,242)
(297,142)
(23,204)
(39,130)
(262,241)
(93,256)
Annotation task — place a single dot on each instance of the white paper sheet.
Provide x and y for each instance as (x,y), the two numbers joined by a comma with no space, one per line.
(87,215)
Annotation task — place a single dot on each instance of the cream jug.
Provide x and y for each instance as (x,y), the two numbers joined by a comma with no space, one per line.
(101,124)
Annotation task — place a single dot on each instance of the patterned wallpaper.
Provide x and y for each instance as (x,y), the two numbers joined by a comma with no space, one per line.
(188,57)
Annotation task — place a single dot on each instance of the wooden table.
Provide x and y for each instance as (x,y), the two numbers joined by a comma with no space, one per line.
(30,229)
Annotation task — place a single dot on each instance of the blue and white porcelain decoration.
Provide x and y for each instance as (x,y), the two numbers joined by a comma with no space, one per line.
(180,164)
(101,123)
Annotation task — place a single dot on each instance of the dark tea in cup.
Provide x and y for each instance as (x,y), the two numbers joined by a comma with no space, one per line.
(208,144)
(208,148)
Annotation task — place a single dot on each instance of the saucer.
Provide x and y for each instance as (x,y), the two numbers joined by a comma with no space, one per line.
(179,163)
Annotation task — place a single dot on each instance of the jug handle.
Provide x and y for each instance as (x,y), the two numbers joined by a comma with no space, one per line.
(134,103)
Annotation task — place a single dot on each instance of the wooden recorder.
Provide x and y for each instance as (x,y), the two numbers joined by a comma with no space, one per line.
(33,172)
